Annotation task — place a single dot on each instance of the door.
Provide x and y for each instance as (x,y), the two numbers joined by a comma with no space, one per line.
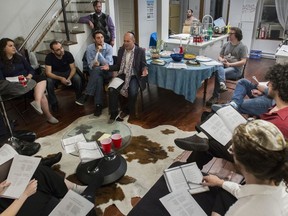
(125,18)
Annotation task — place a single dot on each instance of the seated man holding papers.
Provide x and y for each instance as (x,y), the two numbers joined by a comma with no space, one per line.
(217,145)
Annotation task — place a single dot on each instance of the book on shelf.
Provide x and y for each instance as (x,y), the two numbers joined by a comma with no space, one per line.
(69,143)
(185,177)
(72,204)
(20,173)
(89,151)
(221,125)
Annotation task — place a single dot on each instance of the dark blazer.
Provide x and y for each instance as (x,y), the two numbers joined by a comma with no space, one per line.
(139,64)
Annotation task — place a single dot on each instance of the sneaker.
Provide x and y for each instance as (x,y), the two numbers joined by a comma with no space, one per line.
(52,120)
(223,87)
(216,107)
(98,110)
(192,143)
(212,100)
(82,99)
(234,105)
(113,117)
(121,116)
(37,107)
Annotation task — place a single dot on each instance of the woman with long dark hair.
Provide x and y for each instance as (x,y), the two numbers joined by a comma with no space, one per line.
(13,64)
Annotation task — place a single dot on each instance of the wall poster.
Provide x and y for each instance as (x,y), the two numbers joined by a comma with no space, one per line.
(150,10)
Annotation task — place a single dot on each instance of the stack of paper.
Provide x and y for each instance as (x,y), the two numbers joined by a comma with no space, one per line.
(89,151)
(69,144)
(177,65)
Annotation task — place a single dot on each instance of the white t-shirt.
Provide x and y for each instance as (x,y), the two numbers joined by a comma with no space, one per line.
(257,200)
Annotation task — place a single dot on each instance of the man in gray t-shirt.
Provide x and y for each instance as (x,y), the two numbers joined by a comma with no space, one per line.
(233,56)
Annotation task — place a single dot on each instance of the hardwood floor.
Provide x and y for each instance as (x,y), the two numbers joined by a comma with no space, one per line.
(161,106)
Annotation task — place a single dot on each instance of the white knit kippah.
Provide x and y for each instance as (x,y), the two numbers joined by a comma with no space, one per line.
(266,135)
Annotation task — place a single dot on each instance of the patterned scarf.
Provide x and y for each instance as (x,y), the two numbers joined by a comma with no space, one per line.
(126,68)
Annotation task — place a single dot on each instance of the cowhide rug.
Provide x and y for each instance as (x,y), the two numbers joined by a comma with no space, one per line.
(149,153)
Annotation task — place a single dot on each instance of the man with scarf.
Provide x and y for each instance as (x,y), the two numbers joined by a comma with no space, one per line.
(131,67)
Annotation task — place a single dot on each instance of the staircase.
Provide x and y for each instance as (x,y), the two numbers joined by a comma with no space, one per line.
(80,34)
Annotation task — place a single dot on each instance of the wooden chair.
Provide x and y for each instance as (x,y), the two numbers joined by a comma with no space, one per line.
(232,82)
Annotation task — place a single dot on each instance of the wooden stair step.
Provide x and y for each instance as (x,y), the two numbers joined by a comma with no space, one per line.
(70,32)
(79,11)
(43,52)
(64,42)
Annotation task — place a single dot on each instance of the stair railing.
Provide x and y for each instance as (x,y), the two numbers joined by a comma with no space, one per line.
(64,4)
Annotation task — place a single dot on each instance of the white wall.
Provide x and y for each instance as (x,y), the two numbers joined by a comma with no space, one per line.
(146,27)
(19,17)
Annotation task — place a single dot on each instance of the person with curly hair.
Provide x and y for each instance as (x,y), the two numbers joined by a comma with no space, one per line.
(260,152)
(233,56)
(205,149)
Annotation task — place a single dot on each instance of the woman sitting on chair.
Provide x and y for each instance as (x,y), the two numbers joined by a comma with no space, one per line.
(13,64)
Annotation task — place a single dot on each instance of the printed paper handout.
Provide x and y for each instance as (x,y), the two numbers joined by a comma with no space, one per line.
(221,125)
(185,177)
(69,144)
(20,173)
(89,151)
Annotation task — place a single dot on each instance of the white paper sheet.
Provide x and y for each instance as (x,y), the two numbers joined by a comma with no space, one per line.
(21,171)
(181,203)
(7,152)
(69,144)
(115,83)
(72,204)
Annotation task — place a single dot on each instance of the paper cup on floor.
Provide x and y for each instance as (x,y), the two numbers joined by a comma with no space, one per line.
(106,145)
(117,140)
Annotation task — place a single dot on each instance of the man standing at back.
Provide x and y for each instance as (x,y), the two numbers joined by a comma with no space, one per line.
(60,67)
(100,21)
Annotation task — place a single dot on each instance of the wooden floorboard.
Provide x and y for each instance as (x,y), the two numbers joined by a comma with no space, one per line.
(161,106)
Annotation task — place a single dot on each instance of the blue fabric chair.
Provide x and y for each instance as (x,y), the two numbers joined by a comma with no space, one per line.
(153,39)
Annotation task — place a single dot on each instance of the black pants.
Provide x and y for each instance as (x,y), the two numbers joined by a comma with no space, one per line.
(51,188)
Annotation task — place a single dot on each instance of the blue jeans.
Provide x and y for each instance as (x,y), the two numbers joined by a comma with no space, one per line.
(222,74)
(95,84)
(129,108)
(254,106)
(51,83)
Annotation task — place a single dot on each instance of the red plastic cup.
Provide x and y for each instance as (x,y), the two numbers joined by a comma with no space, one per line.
(22,80)
(117,140)
(106,145)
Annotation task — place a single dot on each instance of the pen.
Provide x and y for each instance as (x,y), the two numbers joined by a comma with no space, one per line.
(197,183)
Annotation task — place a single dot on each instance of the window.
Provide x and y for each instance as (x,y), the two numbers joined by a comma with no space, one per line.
(269,26)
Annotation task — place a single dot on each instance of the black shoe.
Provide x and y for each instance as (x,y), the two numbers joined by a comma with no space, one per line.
(25,135)
(192,143)
(55,107)
(24,147)
(98,110)
(51,159)
(82,99)
(212,100)
(113,117)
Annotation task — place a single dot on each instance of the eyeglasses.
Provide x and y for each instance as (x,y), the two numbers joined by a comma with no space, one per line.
(231,33)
